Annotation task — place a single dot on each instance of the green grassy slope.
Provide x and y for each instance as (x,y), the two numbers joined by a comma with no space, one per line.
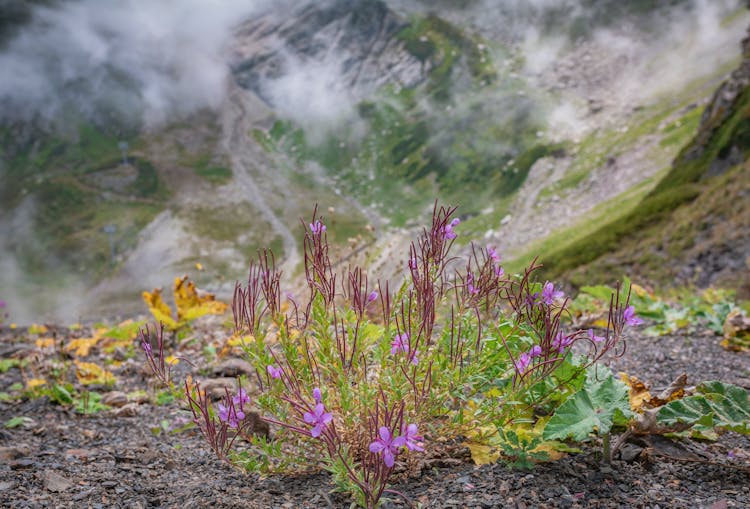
(693,227)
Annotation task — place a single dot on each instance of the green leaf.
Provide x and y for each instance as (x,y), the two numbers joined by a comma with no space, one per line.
(16,422)
(6,364)
(60,395)
(596,407)
(601,292)
(715,405)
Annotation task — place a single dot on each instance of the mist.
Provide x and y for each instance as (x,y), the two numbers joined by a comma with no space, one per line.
(137,61)
(140,63)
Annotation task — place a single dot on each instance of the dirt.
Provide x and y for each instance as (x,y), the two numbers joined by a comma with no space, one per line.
(124,457)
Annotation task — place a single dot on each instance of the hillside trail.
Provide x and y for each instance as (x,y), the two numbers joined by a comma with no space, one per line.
(246,159)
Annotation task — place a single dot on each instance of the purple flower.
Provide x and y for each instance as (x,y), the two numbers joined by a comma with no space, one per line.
(499,271)
(473,290)
(387,445)
(317,227)
(522,363)
(492,254)
(230,415)
(413,263)
(448,229)
(414,359)
(412,438)
(241,398)
(316,395)
(318,418)
(273,371)
(373,295)
(561,342)
(594,337)
(549,295)
(2,304)
(630,317)
(535,351)
(146,346)
(400,344)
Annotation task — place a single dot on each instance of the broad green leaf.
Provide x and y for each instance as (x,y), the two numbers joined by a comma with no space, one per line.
(601,292)
(715,404)
(60,395)
(596,407)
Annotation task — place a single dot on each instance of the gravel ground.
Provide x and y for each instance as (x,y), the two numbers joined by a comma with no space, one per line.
(113,459)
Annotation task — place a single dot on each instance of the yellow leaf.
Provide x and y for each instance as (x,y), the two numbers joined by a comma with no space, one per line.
(89,373)
(190,305)
(638,393)
(171,359)
(482,454)
(81,346)
(35,382)
(159,308)
(13,326)
(551,448)
(638,290)
(44,342)
(199,266)
(38,329)
(109,345)
(600,323)
(239,340)
(736,332)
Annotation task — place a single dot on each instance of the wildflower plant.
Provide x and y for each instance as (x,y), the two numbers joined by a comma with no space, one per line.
(364,378)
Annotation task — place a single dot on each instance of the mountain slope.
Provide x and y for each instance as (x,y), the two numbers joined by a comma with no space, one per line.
(694,226)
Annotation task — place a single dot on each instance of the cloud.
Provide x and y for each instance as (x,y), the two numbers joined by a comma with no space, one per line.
(139,60)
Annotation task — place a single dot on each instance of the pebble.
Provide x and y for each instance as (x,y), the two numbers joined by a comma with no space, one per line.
(129,410)
(115,399)
(11,453)
(55,482)
(234,367)
(22,464)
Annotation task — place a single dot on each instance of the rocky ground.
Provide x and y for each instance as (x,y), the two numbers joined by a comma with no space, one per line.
(123,457)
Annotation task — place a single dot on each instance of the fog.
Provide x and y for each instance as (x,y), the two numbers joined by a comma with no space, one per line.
(142,62)
(138,60)
(145,63)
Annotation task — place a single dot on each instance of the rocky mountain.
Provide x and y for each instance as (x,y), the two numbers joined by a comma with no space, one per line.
(358,39)
(541,132)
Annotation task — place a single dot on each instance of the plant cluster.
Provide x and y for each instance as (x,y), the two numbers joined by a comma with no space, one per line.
(359,377)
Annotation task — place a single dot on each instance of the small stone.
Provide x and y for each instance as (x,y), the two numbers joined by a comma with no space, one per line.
(129,410)
(11,453)
(115,399)
(21,464)
(630,452)
(55,482)
(83,494)
(6,485)
(234,367)
(214,387)
(81,454)
(109,484)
